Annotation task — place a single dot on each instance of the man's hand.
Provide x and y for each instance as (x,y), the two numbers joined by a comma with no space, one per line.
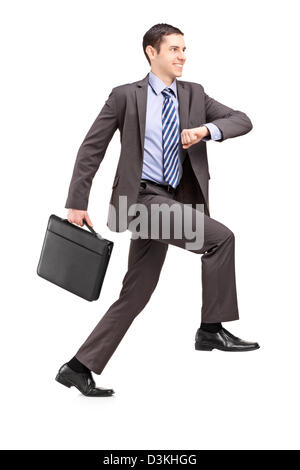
(76,216)
(193,136)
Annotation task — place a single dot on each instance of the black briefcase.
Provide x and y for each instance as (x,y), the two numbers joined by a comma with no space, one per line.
(74,258)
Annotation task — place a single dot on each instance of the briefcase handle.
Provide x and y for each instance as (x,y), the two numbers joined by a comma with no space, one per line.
(90,228)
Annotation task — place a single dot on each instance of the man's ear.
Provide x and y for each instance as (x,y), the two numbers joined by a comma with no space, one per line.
(150,51)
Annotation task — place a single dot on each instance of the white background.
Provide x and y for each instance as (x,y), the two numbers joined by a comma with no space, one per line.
(60,60)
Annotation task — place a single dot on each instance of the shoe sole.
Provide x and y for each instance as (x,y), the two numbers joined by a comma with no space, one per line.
(210,348)
(69,384)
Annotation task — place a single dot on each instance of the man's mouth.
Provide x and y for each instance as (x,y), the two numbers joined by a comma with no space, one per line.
(178,65)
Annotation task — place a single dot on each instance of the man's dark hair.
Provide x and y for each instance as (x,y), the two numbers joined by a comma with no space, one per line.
(155,36)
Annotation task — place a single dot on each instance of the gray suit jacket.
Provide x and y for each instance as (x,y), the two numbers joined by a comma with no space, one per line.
(125,109)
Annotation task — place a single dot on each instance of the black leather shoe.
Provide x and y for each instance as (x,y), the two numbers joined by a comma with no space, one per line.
(222,340)
(83,381)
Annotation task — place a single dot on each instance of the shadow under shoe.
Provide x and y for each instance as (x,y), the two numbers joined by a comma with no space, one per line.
(222,340)
(83,381)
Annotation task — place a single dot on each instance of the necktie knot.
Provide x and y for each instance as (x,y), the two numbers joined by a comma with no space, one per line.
(168,92)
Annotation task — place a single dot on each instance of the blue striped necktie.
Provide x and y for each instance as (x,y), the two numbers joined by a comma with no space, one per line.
(170,137)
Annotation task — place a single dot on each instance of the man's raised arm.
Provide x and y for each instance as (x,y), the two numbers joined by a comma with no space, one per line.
(231,122)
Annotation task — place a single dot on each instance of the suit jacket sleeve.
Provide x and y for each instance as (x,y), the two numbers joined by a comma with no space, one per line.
(231,122)
(91,153)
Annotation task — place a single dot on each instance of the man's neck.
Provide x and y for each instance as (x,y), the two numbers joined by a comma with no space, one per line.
(164,78)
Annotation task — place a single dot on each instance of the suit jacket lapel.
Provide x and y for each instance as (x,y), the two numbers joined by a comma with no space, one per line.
(183,105)
(141,99)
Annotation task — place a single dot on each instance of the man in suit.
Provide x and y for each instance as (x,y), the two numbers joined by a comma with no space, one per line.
(164,125)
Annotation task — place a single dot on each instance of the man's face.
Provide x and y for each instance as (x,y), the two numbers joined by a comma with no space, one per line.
(171,57)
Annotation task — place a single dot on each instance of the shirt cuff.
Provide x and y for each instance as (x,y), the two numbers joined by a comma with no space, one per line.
(215,133)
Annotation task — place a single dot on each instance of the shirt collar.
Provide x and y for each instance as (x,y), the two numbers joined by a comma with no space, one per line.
(158,85)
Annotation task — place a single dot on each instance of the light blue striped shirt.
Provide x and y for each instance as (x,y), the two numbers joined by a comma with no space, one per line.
(153,148)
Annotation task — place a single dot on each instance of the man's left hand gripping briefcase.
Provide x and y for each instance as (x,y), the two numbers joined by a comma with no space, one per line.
(74,258)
